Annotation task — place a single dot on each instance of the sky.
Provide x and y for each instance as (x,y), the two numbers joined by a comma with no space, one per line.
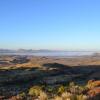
(50,24)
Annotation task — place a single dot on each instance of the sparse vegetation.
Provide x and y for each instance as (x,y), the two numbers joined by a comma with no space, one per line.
(67,92)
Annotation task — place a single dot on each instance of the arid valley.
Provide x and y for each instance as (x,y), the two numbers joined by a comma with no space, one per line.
(18,74)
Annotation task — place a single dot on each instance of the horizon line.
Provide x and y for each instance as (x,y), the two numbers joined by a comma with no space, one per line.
(16,49)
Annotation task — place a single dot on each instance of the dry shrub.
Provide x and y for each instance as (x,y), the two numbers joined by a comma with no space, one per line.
(57,98)
(43,96)
(35,91)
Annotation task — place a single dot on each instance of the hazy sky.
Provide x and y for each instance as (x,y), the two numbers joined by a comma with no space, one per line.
(50,24)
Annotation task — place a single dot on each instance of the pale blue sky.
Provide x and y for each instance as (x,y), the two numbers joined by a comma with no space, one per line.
(50,24)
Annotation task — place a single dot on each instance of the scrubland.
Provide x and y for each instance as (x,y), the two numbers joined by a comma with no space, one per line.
(49,78)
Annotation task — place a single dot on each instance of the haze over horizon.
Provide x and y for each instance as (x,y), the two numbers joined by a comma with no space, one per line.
(50,24)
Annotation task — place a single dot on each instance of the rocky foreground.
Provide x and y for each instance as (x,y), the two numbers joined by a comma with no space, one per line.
(20,73)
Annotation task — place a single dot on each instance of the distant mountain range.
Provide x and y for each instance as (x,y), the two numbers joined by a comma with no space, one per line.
(34,51)
(25,51)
